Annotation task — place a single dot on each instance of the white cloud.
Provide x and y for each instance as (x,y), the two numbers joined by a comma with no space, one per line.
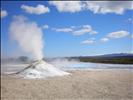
(115,35)
(83,30)
(63,29)
(45,27)
(3,13)
(77,30)
(89,41)
(93,32)
(67,6)
(102,7)
(105,39)
(118,34)
(86,26)
(39,9)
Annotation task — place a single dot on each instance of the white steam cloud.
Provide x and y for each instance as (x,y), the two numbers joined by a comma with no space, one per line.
(28,35)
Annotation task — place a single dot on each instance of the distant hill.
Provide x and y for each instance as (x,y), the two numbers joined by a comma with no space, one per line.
(118,55)
(121,58)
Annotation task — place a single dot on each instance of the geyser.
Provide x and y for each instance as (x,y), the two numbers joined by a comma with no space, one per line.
(29,37)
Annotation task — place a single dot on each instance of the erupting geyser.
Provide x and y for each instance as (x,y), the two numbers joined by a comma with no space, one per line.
(29,37)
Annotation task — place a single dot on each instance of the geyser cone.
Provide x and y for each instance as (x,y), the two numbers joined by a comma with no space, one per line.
(41,69)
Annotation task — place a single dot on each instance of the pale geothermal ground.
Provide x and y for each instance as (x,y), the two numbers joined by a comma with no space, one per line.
(80,85)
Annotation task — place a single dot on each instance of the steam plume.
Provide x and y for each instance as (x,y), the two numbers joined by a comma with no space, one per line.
(28,35)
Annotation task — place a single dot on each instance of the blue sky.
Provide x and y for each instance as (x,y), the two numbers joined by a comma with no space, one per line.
(85,29)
